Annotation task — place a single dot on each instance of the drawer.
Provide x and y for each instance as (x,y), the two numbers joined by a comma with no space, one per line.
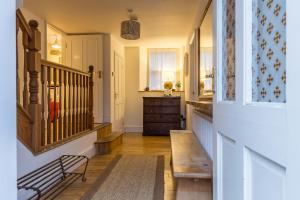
(160,128)
(170,102)
(166,101)
(152,102)
(161,118)
(162,110)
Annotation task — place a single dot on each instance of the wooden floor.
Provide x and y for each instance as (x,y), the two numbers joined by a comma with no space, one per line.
(132,144)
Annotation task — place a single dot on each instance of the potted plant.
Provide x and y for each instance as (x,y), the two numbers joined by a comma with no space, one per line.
(178,85)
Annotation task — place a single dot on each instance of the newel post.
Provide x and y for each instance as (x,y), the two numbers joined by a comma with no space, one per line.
(34,66)
(91,102)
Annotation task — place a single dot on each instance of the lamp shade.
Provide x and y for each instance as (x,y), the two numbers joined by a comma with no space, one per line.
(130,29)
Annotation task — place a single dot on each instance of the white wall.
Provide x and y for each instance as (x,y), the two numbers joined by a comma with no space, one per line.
(133,102)
(28,162)
(8,171)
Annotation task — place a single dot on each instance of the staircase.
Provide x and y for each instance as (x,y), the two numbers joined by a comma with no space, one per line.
(54,102)
(106,139)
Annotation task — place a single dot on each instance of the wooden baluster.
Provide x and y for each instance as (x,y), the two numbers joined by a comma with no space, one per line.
(74,113)
(17,59)
(55,107)
(84,103)
(25,89)
(91,83)
(77,103)
(49,129)
(65,131)
(34,59)
(69,105)
(87,103)
(60,129)
(81,102)
(43,137)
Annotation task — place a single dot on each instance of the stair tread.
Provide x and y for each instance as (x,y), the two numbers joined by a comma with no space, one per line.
(101,125)
(109,138)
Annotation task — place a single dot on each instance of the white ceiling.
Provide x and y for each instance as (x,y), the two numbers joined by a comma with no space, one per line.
(161,20)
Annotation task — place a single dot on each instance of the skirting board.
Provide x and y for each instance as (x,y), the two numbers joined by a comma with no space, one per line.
(133,129)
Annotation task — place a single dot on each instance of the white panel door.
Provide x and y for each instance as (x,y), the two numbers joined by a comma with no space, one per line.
(257,139)
(81,52)
(93,55)
(74,52)
(119,92)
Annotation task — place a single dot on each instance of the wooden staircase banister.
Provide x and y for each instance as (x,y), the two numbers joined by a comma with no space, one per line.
(57,101)
(63,67)
(22,23)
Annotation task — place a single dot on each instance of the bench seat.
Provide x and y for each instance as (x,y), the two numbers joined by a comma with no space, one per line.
(191,166)
(189,159)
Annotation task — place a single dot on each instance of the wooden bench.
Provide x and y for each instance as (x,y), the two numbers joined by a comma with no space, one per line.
(191,166)
(48,181)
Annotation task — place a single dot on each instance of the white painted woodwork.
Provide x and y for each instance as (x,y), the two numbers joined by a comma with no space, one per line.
(119,92)
(75,52)
(204,131)
(83,51)
(256,145)
(8,139)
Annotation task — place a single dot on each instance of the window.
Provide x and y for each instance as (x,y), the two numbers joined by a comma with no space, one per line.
(228,74)
(269,51)
(163,66)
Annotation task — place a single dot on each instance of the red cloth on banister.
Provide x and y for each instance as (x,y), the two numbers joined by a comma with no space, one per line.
(52,110)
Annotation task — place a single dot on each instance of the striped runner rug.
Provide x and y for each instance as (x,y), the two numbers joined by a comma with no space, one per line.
(130,177)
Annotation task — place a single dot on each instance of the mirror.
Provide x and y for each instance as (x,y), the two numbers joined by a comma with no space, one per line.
(206,72)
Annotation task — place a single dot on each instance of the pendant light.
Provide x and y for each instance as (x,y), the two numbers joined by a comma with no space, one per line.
(55,48)
(130,29)
(56,45)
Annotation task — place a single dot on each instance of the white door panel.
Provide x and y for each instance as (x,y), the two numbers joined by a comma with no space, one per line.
(119,92)
(274,175)
(255,143)
(83,51)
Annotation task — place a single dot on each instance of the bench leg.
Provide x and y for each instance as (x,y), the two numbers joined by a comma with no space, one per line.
(193,189)
(84,172)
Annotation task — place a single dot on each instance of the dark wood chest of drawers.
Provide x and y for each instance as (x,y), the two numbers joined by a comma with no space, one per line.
(161,114)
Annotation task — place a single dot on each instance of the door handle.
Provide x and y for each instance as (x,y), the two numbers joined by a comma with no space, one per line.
(99,74)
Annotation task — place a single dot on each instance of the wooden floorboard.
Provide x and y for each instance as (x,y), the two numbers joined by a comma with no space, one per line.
(133,143)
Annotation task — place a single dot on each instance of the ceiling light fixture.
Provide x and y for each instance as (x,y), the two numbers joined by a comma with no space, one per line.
(56,45)
(130,29)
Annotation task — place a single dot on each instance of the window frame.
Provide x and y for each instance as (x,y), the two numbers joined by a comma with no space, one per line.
(178,71)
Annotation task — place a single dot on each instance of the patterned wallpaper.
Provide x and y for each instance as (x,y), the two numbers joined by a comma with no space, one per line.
(228,58)
(269,51)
